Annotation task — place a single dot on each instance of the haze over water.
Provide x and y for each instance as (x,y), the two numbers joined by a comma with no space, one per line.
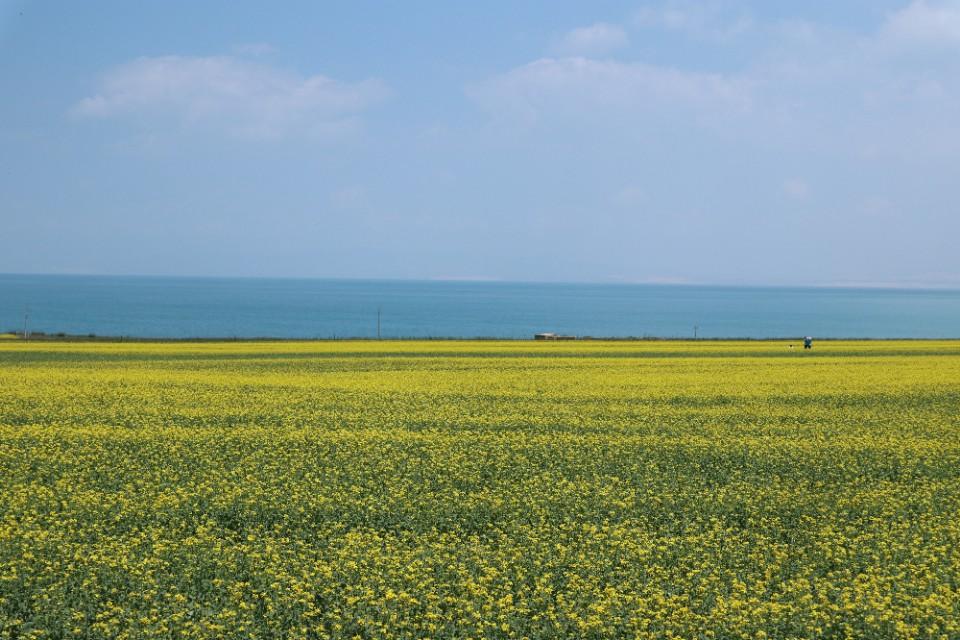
(162,307)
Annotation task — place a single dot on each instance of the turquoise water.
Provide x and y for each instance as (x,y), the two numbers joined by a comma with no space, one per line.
(299,308)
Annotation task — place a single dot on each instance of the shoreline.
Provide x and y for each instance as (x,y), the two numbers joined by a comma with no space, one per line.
(7,338)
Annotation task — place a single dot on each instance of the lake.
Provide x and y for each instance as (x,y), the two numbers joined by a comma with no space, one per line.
(166,307)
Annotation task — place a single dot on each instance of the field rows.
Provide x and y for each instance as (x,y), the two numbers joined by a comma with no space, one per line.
(480,489)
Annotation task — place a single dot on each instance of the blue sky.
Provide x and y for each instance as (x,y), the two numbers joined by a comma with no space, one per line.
(702,142)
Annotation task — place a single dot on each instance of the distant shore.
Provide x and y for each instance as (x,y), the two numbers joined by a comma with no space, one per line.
(64,337)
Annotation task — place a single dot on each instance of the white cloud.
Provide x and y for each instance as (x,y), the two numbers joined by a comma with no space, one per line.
(926,22)
(807,87)
(629,196)
(668,17)
(597,39)
(572,84)
(706,20)
(231,95)
(796,188)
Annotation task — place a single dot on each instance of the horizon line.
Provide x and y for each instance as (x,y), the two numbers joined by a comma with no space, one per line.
(652,282)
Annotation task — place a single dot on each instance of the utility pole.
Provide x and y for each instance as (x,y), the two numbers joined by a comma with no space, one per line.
(696,328)
(26,318)
(379,313)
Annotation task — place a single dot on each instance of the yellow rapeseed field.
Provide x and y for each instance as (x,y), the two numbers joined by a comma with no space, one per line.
(479,490)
